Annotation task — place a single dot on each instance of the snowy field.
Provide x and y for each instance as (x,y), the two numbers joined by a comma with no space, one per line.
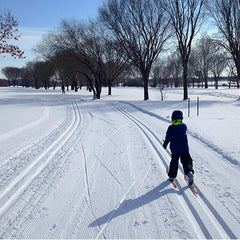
(73,167)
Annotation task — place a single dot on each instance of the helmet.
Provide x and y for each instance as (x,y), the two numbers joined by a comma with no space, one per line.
(177,114)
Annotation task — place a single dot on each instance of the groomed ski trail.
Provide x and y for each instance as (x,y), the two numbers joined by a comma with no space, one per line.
(201,212)
(14,191)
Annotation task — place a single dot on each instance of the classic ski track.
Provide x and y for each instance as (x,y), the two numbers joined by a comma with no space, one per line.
(75,196)
(52,176)
(74,199)
(124,198)
(204,191)
(200,140)
(35,168)
(149,133)
(201,234)
(214,216)
(207,145)
(86,198)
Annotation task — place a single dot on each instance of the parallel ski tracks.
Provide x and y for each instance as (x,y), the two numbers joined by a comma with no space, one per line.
(198,209)
(13,191)
(207,220)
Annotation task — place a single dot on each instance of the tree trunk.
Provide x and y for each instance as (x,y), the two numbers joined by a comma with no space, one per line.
(146,97)
(98,88)
(145,77)
(206,83)
(75,86)
(238,75)
(185,82)
(109,88)
(216,81)
(205,80)
(98,92)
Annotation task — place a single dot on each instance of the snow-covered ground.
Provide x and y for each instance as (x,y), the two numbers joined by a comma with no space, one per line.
(73,167)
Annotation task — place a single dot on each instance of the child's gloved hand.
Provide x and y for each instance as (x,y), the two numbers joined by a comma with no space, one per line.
(165,144)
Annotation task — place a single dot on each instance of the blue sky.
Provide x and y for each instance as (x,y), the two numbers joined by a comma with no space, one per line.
(36,17)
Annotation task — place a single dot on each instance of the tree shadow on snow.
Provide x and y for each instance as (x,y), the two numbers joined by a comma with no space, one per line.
(132,204)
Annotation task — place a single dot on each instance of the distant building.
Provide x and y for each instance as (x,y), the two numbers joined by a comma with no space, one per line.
(3,83)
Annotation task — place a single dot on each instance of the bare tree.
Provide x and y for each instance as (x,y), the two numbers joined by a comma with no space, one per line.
(36,73)
(194,72)
(218,62)
(204,50)
(46,73)
(25,79)
(114,61)
(185,16)
(8,32)
(156,73)
(12,74)
(83,40)
(66,65)
(66,50)
(164,71)
(226,14)
(175,68)
(141,28)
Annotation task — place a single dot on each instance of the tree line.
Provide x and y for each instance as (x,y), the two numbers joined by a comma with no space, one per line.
(138,40)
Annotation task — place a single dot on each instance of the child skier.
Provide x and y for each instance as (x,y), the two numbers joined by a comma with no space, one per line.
(176,135)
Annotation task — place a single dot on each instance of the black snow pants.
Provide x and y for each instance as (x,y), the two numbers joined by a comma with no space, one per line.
(186,161)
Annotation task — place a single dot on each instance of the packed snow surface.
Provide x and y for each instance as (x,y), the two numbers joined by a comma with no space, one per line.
(74,167)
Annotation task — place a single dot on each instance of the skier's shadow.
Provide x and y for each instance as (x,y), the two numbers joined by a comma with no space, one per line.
(131,204)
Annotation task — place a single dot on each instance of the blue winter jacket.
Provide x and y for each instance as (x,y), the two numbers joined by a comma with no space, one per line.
(177,136)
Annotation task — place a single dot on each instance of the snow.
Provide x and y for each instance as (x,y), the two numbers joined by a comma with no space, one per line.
(73,167)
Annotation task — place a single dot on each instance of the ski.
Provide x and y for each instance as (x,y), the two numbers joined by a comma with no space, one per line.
(173,184)
(192,187)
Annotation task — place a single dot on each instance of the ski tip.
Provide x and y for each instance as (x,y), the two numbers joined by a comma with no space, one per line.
(173,183)
(194,190)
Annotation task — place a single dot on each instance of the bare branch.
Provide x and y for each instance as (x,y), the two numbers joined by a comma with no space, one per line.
(7,32)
